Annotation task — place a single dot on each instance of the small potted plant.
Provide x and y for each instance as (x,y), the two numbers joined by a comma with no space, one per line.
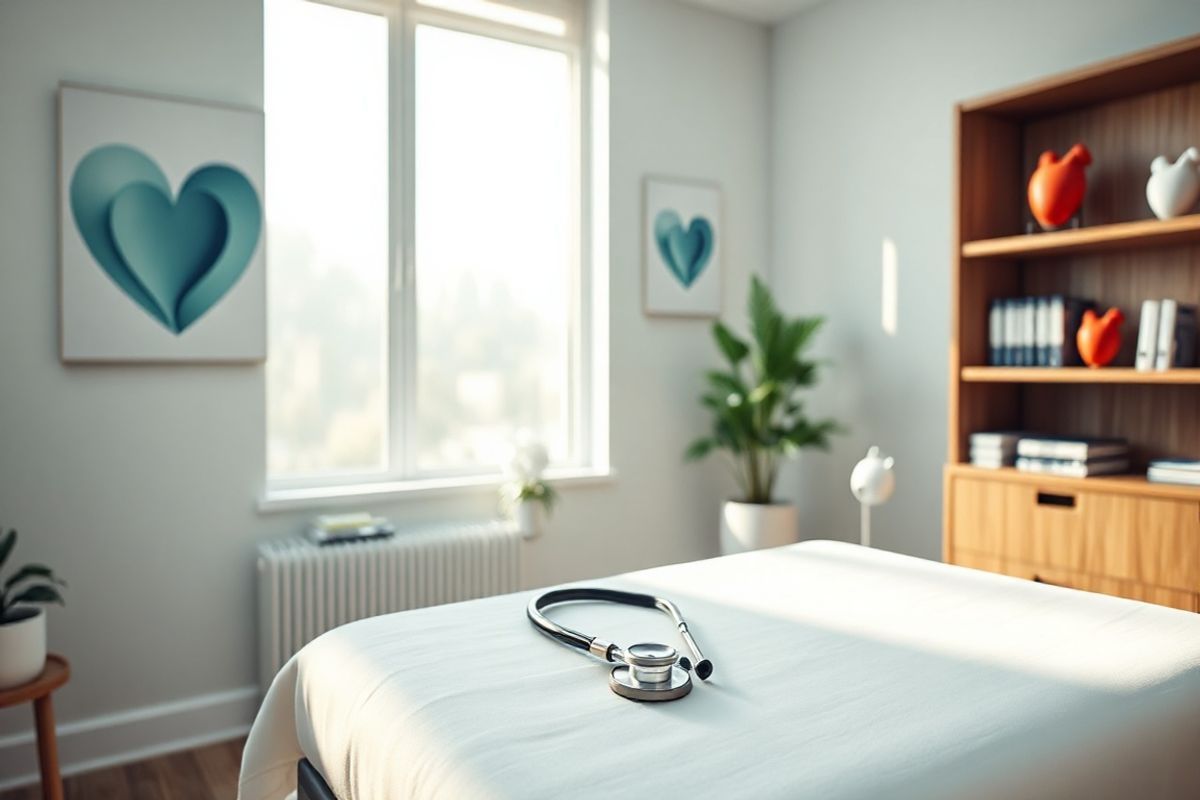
(23,618)
(526,496)
(759,420)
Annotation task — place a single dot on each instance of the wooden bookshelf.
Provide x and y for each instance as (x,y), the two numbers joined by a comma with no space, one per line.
(1144,233)
(1128,375)
(1113,531)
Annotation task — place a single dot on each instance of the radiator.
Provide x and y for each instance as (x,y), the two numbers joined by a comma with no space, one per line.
(305,589)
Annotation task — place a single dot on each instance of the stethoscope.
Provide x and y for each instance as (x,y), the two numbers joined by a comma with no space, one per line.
(646,671)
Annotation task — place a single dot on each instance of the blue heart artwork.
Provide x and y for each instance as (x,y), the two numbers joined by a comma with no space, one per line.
(176,258)
(684,252)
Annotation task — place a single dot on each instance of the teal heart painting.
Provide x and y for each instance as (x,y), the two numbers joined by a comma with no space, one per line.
(174,257)
(684,252)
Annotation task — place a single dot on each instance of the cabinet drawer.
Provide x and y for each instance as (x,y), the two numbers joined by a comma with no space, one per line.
(1150,541)
(985,516)
(1016,520)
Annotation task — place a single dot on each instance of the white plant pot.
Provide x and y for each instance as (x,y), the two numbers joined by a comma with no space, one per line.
(528,516)
(754,526)
(22,647)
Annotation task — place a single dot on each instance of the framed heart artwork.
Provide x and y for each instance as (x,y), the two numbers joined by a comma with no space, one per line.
(161,223)
(682,261)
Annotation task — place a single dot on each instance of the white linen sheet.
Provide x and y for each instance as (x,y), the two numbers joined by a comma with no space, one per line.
(840,672)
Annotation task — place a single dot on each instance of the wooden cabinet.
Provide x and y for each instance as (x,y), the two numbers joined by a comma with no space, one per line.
(1125,544)
(1119,535)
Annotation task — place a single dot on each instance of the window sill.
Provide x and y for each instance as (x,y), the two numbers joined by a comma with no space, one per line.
(276,500)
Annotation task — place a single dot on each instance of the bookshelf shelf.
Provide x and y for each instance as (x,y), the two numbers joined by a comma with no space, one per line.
(1094,239)
(1127,375)
(1117,484)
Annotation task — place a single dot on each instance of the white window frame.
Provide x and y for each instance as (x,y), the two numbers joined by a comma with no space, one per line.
(587,352)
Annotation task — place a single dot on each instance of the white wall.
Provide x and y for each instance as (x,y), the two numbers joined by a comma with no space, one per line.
(138,484)
(862,98)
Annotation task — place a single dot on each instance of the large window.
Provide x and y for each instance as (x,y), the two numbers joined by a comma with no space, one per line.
(425,206)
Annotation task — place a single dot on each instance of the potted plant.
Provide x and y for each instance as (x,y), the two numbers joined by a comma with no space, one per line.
(759,420)
(526,496)
(22,618)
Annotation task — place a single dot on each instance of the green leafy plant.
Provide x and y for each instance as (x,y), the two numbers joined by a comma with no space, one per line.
(535,491)
(31,584)
(757,407)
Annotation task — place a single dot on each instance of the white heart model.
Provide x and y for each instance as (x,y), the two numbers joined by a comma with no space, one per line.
(1173,189)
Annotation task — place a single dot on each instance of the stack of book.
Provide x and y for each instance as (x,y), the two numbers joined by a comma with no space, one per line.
(994,449)
(1174,470)
(1166,336)
(1073,457)
(1035,331)
(335,528)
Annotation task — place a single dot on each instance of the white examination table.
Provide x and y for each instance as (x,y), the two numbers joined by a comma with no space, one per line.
(840,672)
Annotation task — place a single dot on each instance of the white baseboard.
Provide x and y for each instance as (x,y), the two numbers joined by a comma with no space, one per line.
(127,736)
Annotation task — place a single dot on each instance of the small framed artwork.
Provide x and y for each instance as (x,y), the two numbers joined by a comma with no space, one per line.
(682,261)
(161,225)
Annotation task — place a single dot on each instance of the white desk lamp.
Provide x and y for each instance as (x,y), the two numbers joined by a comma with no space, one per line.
(872,482)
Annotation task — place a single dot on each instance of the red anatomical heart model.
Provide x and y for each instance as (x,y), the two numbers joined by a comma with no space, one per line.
(1099,338)
(1056,188)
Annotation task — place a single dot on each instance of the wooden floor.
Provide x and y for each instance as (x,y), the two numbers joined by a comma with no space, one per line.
(208,773)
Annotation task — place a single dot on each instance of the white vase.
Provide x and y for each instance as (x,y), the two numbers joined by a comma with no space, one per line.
(1173,189)
(754,526)
(528,516)
(22,647)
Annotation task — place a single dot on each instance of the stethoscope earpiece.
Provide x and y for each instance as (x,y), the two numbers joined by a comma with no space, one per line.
(648,671)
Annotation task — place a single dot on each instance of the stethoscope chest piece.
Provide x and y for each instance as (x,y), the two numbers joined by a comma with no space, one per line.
(650,674)
(621,682)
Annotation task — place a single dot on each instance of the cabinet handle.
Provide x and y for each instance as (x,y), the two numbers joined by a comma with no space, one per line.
(1060,500)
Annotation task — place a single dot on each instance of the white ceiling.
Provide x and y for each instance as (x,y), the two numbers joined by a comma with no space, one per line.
(767,11)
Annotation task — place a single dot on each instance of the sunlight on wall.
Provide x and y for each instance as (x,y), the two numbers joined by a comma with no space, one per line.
(889,294)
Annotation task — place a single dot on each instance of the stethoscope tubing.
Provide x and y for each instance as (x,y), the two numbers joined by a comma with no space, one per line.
(595,645)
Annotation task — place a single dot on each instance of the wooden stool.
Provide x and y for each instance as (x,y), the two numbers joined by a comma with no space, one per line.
(38,690)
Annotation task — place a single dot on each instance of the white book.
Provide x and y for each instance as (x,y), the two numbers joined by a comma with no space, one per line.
(1073,469)
(990,452)
(1071,449)
(1029,331)
(1187,464)
(1012,343)
(349,521)
(1173,476)
(996,333)
(1041,332)
(1164,358)
(1058,328)
(998,439)
(1147,341)
(990,463)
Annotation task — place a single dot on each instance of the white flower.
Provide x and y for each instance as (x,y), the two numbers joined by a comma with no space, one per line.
(528,460)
